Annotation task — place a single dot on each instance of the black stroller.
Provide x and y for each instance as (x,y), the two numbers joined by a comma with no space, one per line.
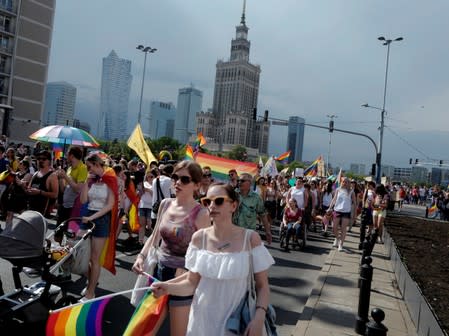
(26,245)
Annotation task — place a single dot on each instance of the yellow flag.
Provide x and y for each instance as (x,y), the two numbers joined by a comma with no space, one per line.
(138,144)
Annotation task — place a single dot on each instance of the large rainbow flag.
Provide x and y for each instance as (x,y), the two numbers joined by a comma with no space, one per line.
(283,157)
(221,166)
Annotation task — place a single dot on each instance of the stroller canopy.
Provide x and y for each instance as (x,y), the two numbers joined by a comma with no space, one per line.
(25,238)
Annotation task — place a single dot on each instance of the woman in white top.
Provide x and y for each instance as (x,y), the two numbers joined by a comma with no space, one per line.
(101,193)
(342,204)
(145,204)
(218,264)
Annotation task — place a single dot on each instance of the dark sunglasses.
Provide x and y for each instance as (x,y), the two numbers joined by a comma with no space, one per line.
(241,181)
(184,179)
(218,201)
(207,175)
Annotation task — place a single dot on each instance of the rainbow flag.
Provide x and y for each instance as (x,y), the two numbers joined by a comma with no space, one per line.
(221,166)
(189,154)
(432,209)
(312,170)
(58,149)
(283,157)
(200,140)
(148,316)
(80,319)
(133,213)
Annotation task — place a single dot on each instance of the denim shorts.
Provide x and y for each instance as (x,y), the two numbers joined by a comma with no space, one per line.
(145,212)
(102,225)
(339,214)
(165,273)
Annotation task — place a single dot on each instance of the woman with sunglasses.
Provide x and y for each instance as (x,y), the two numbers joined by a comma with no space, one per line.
(218,264)
(178,219)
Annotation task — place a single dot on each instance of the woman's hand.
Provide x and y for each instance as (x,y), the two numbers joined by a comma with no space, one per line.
(87,219)
(138,264)
(159,289)
(256,325)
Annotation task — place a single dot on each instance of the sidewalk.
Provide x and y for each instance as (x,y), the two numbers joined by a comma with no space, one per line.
(332,306)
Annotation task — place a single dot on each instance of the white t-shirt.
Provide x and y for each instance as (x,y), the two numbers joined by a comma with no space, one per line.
(146,200)
(166,188)
(298,195)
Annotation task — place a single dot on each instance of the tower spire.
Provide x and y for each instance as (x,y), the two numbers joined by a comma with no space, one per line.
(242,21)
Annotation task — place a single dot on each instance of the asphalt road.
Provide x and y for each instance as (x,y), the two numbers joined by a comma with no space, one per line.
(291,280)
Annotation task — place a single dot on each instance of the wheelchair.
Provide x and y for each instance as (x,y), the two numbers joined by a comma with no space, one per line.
(297,243)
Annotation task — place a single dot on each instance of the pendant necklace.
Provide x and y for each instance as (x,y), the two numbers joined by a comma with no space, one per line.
(227,244)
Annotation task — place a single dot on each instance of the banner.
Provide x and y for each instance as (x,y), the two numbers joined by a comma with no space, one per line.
(137,142)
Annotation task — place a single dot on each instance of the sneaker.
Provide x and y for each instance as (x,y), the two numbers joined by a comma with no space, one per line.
(335,244)
(85,299)
(83,292)
(340,248)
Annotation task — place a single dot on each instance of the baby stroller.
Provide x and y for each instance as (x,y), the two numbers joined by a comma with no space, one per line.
(298,243)
(26,245)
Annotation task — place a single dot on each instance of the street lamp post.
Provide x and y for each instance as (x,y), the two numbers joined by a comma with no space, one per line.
(386,42)
(331,129)
(145,50)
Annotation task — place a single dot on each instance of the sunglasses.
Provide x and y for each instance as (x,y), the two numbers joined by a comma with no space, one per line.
(241,181)
(207,175)
(218,201)
(184,179)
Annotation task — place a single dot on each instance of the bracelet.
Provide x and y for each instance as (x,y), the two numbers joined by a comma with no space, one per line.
(142,255)
(263,308)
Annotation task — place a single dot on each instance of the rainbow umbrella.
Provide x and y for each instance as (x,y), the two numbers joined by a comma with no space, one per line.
(65,135)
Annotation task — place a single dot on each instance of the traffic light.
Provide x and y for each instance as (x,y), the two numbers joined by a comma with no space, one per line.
(255,113)
(416,161)
(411,161)
(441,162)
(265,117)
(373,169)
(331,126)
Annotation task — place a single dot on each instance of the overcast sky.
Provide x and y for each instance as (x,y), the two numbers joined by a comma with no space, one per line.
(318,58)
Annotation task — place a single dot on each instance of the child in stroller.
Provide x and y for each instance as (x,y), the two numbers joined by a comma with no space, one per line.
(26,245)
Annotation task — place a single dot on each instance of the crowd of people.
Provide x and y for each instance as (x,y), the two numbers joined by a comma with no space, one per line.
(208,232)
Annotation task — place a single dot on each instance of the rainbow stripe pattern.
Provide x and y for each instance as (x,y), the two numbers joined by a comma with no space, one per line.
(283,156)
(221,166)
(148,316)
(312,170)
(189,154)
(84,319)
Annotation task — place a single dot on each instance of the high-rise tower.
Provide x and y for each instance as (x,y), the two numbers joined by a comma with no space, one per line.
(59,106)
(235,98)
(116,81)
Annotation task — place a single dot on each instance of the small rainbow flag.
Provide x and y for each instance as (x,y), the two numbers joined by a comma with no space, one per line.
(312,170)
(221,166)
(283,156)
(149,314)
(200,140)
(189,154)
(133,213)
(81,319)
(432,209)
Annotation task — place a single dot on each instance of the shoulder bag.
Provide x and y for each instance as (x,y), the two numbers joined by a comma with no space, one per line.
(160,196)
(149,263)
(245,311)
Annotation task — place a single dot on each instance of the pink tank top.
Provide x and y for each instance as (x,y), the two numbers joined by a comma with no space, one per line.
(176,237)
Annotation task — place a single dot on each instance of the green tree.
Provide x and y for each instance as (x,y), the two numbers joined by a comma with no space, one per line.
(238,153)
(166,143)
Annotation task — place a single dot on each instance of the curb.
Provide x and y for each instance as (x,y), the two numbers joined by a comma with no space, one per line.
(304,320)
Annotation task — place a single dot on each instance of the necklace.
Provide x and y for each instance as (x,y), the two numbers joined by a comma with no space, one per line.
(227,244)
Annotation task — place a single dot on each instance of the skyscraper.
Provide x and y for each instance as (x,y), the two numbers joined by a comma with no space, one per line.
(116,81)
(295,138)
(59,106)
(162,120)
(25,38)
(190,101)
(235,98)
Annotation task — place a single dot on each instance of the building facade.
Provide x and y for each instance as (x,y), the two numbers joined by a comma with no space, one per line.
(26,28)
(162,120)
(190,102)
(358,168)
(116,81)
(60,98)
(233,120)
(295,138)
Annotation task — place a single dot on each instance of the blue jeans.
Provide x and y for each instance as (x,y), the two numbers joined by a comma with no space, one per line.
(291,230)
